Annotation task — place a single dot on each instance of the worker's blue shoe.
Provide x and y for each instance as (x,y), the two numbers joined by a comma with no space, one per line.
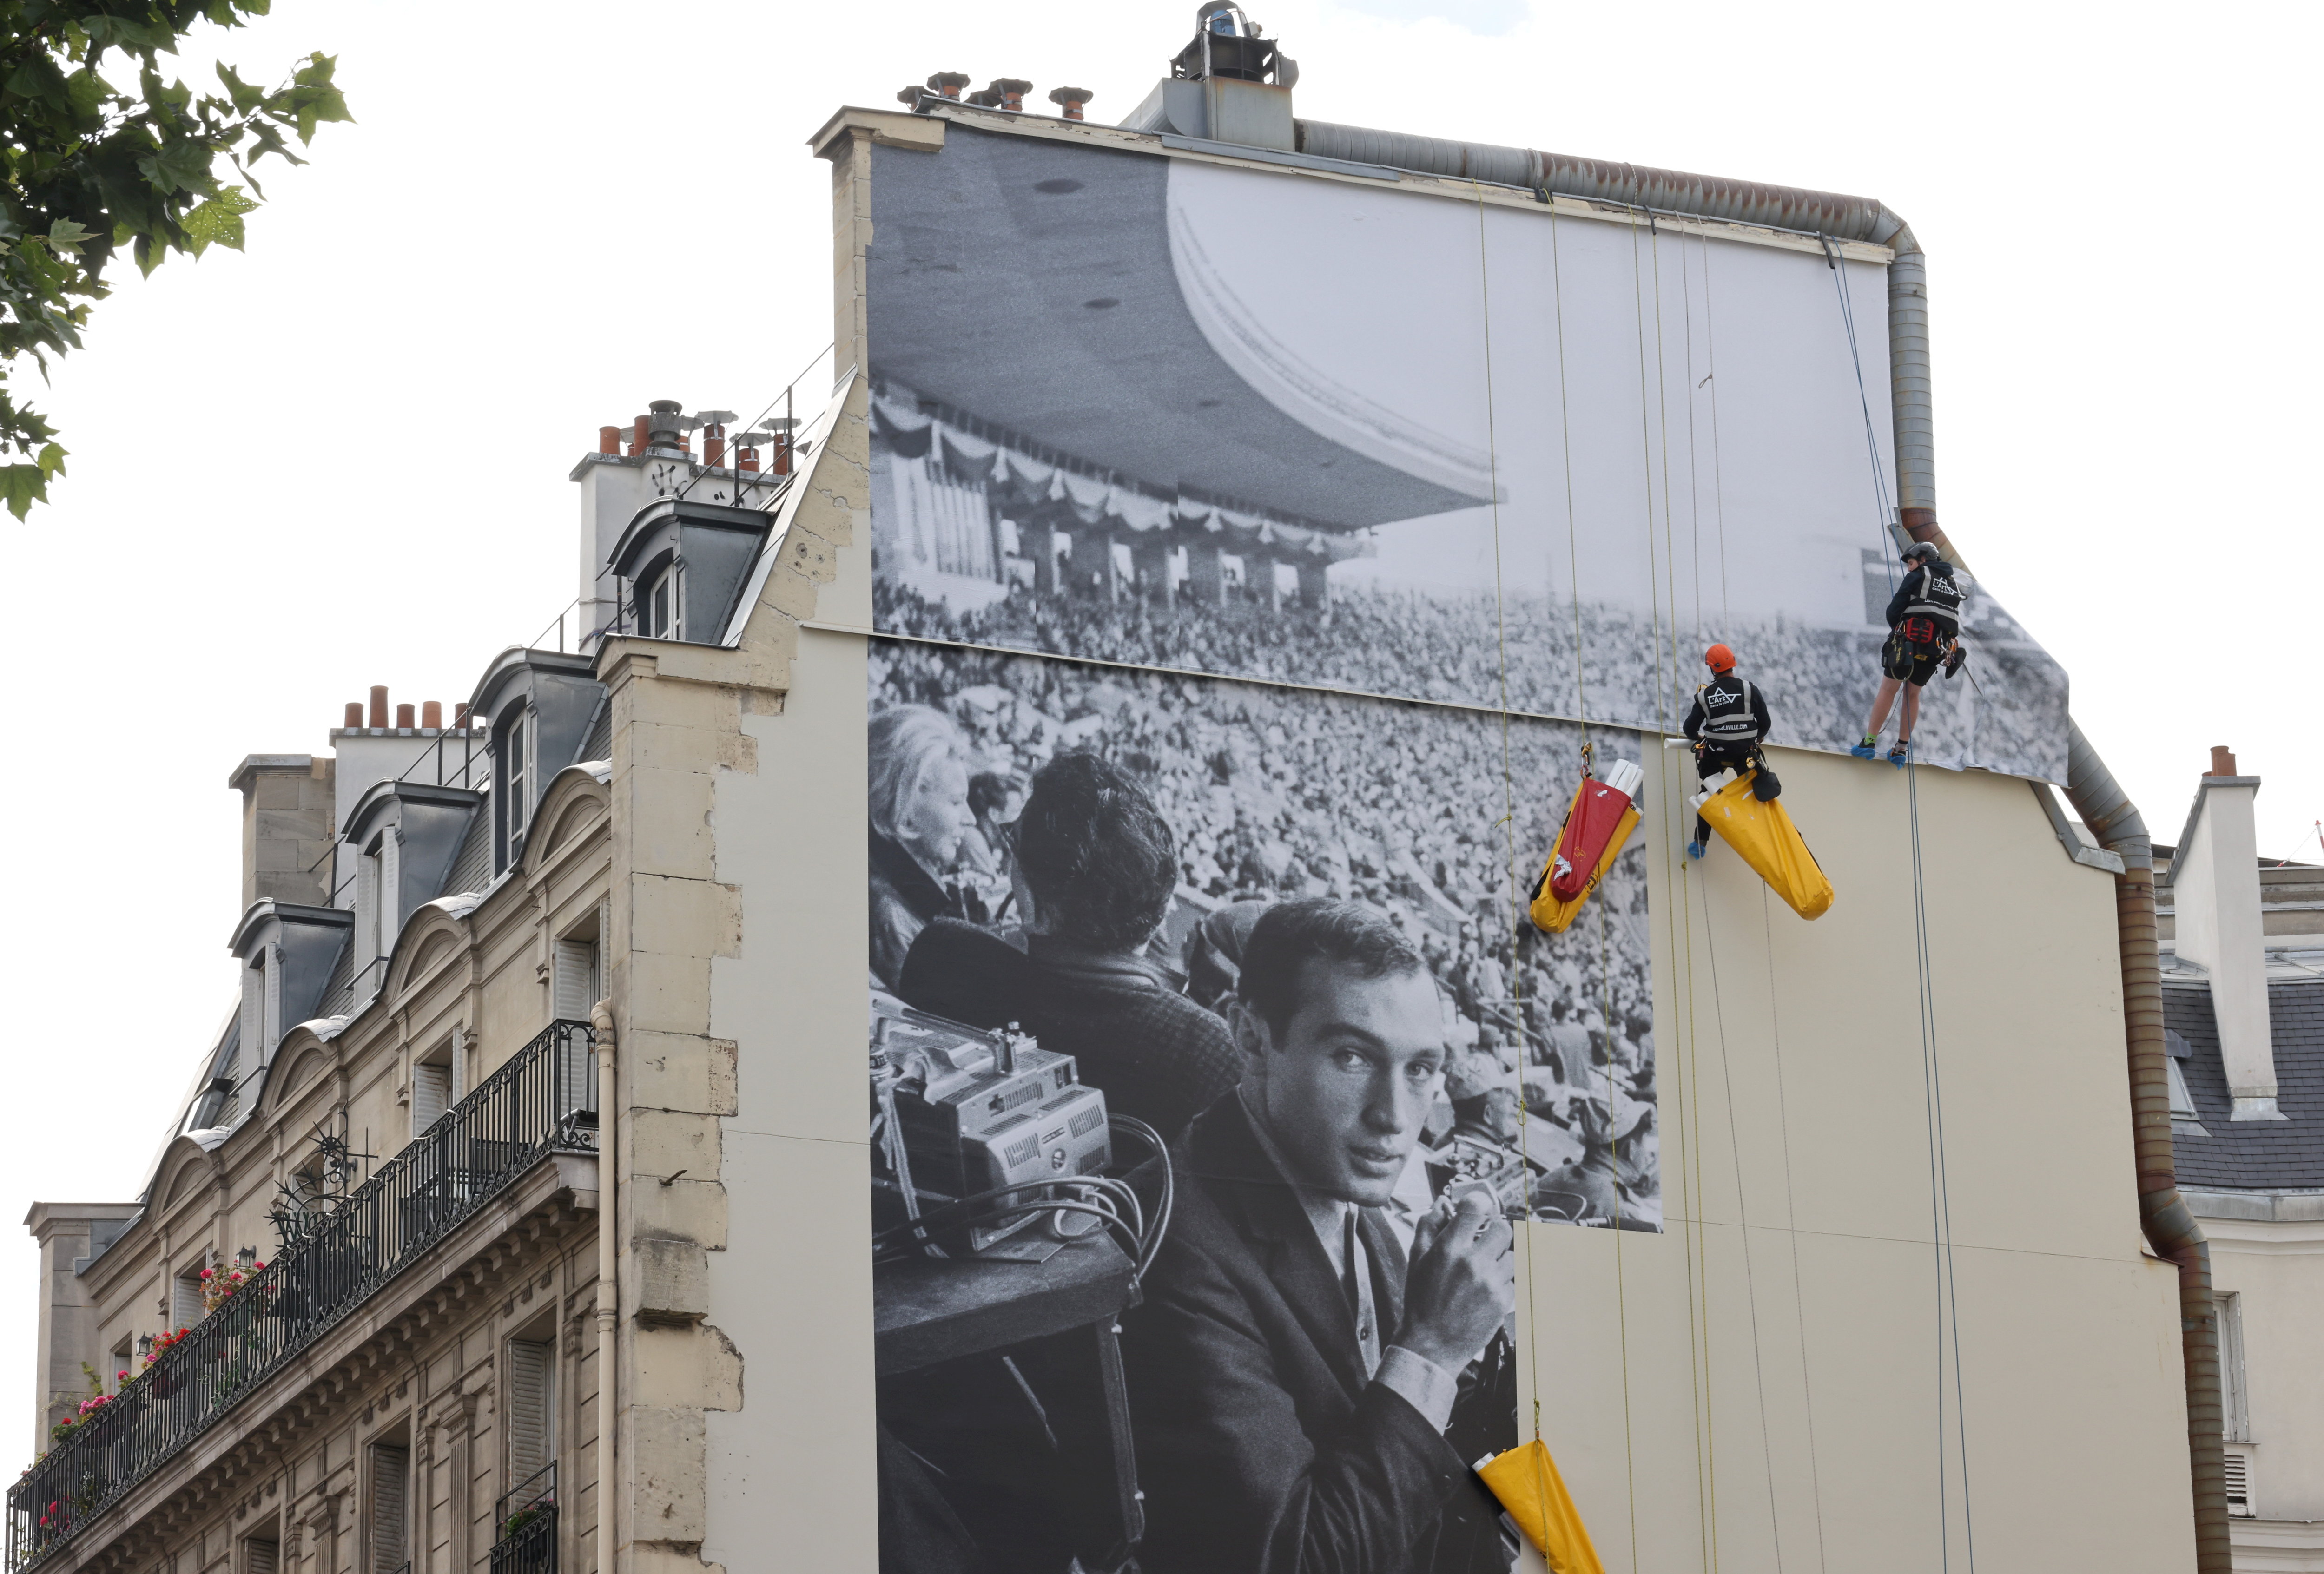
(1862,751)
(1901,755)
(1695,849)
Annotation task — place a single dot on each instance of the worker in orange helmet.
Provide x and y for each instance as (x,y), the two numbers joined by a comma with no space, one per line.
(1727,724)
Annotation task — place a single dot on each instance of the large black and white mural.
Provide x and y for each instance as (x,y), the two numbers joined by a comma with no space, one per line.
(1331,432)
(1258,558)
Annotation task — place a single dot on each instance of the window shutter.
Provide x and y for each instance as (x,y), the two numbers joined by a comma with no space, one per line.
(432,1095)
(262,1557)
(577,979)
(529,1407)
(2239,1501)
(184,1302)
(391,1476)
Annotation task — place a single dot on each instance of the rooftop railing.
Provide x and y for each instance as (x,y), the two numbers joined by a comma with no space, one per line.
(544,1101)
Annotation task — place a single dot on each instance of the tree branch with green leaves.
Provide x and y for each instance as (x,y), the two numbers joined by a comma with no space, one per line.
(87,169)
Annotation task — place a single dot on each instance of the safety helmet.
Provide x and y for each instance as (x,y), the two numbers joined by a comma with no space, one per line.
(1718,658)
(1920,549)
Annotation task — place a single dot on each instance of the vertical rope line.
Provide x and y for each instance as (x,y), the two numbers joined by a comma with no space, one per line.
(1717,472)
(1743,1215)
(1882,513)
(1693,463)
(1509,795)
(1791,1218)
(1674,912)
(1940,1177)
(1700,1233)
(1948,1305)
(1605,948)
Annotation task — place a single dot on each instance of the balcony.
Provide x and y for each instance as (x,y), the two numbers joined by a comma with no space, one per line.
(543,1101)
(525,1526)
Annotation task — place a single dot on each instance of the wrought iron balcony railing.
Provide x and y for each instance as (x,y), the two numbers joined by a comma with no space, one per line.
(524,1524)
(543,1101)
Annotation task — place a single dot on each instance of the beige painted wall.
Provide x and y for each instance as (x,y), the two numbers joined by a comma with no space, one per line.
(2277,1271)
(1807,1123)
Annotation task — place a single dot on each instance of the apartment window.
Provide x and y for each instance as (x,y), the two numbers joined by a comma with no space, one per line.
(2235,1402)
(662,612)
(531,1409)
(117,1363)
(514,758)
(389,1538)
(435,1087)
(186,1298)
(576,988)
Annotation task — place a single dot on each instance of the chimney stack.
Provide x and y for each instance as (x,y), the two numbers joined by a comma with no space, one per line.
(609,440)
(355,713)
(431,715)
(403,717)
(286,828)
(379,705)
(2214,882)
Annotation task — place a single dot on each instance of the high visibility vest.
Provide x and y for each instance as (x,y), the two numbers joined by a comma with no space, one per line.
(1936,596)
(1727,712)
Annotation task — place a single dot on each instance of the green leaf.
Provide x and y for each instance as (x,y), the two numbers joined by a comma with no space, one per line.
(26,485)
(219,221)
(95,174)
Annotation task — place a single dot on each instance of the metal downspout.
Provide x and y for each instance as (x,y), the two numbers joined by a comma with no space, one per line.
(2169,1227)
(601,1019)
(2090,787)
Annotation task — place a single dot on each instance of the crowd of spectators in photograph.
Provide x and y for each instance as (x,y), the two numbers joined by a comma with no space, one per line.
(2006,713)
(1269,795)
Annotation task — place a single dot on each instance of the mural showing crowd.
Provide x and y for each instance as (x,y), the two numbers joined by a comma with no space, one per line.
(1270,796)
(2005,711)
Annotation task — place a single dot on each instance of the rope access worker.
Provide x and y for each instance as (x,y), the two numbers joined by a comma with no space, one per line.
(1923,634)
(1728,725)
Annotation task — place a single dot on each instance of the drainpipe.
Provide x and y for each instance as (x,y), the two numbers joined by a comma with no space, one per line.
(2169,1227)
(601,1019)
(2103,806)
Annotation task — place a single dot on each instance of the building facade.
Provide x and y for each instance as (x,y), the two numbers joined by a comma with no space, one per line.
(541,1105)
(2245,954)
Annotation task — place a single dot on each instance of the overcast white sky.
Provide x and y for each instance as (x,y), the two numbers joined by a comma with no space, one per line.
(341,459)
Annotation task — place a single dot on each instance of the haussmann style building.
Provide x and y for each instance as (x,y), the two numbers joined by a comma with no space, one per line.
(998,997)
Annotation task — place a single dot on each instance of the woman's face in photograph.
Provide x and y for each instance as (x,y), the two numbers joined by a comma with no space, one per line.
(937,814)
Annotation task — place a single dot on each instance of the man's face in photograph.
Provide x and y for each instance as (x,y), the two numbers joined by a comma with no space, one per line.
(1347,1084)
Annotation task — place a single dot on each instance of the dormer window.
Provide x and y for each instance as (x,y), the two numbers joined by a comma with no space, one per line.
(687,566)
(513,755)
(661,602)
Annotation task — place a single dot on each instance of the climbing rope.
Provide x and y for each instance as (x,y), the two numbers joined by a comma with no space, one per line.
(1743,1216)
(1605,946)
(1948,1305)
(1790,1217)
(1677,917)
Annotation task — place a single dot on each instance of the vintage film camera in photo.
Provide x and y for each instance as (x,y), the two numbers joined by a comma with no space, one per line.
(985,1130)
